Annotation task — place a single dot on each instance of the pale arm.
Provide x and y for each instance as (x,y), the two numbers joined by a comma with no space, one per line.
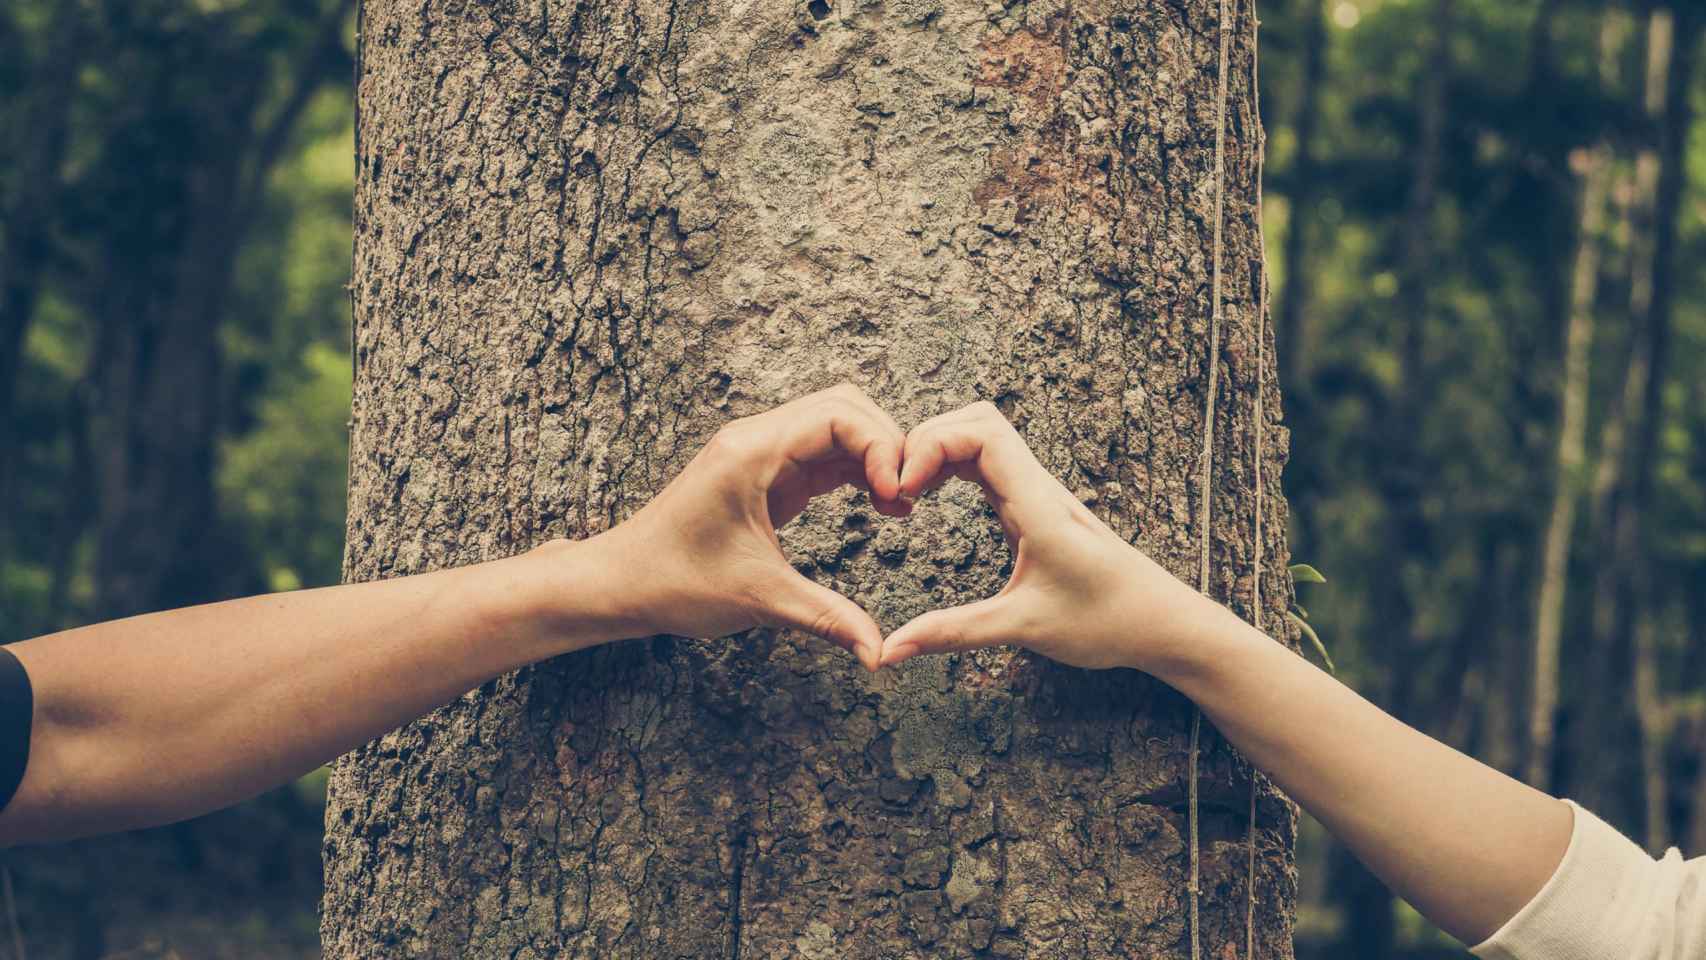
(1465,844)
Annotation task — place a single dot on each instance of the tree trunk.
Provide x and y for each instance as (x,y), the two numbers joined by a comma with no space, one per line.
(1638,606)
(1623,483)
(157,373)
(1652,717)
(1687,721)
(585,237)
(26,219)
(1500,736)
(1596,175)
(1697,806)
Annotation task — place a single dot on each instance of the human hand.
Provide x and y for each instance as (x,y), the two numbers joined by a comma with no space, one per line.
(1078,593)
(702,558)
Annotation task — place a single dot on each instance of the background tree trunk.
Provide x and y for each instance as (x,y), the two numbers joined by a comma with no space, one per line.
(1623,482)
(1637,604)
(1597,171)
(26,206)
(588,235)
(159,386)
(1292,323)
(1365,902)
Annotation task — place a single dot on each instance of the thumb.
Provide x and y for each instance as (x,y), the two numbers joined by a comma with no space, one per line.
(968,627)
(816,609)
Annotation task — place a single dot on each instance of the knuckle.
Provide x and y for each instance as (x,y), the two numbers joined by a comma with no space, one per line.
(825,623)
(919,438)
(838,403)
(856,399)
(733,441)
(935,425)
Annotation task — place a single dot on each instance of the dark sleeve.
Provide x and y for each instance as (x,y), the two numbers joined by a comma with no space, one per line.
(17,704)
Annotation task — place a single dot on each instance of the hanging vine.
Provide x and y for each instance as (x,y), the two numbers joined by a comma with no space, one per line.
(1256,457)
(1206,490)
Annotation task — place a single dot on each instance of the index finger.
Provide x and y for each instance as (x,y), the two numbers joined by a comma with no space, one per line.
(842,421)
(976,443)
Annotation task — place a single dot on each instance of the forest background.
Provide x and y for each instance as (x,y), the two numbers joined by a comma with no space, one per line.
(1486,221)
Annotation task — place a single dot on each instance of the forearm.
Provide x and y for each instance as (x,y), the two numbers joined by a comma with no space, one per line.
(168,715)
(1466,845)
(1463,843)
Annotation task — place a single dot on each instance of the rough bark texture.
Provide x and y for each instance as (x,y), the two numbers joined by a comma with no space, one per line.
(587,235)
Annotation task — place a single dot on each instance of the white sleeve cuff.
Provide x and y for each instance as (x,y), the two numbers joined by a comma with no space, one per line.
(1608,900)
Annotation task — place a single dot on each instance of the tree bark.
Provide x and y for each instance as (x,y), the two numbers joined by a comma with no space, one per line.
(588,235)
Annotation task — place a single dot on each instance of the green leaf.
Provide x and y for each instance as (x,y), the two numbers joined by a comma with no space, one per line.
(1297,608)
(1304,573)
(1314,638)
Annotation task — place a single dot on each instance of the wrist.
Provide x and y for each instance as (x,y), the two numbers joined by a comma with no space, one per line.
(560,597)
(1212,644)
(1188,637)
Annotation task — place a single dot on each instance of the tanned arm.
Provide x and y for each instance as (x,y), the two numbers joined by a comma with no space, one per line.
(165,716)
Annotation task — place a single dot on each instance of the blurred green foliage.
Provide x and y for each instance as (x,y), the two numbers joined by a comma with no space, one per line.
(103,226)
(1423,483)
(174,254)
(282,471)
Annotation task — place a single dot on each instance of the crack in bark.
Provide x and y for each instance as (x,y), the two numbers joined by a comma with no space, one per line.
(737,860)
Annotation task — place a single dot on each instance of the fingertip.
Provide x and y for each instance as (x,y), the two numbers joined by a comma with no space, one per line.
(905,480)
(913,481)
(901,645)
(883,474)
(871,659)
(868,653)
(896,654)
(864,639)
(910,456)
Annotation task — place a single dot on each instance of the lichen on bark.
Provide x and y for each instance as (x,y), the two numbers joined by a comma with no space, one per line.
(590,233)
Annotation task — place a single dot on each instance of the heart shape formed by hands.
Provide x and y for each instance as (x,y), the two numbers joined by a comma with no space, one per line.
(1078,593)
(716,565)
